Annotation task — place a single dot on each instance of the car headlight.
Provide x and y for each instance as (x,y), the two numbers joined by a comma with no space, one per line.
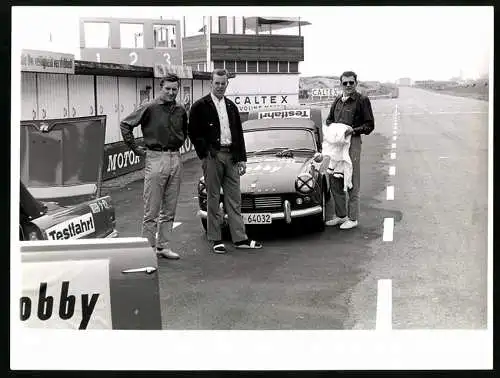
(202,187)
(32,232)
(305,183)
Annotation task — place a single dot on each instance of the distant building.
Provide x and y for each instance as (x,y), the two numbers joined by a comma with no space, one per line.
(404,82)
(263,52)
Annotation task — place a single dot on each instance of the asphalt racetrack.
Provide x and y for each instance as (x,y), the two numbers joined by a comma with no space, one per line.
(418,259)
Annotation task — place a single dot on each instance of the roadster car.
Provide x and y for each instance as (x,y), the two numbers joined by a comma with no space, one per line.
(60,188)
(286,178)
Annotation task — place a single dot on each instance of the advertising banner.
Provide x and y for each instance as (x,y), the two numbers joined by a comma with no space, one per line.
(184,72)
(248,103)
(47,61)
(119,159)
(72,294)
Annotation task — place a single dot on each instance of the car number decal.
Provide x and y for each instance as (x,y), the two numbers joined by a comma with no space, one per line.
(99,205)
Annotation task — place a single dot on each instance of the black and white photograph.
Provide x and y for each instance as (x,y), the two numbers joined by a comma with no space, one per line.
(308,186)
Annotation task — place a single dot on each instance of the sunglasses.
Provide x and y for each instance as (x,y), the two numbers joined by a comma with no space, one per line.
(344,83)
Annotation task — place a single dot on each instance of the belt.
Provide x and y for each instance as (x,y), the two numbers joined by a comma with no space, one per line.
(160,148)
(225,148)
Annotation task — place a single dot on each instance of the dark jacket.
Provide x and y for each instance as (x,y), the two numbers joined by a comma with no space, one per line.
(355,112)
(204,128)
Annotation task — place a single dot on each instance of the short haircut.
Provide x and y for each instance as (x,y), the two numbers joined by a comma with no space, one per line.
(170,77)
(349,73)
(220,72)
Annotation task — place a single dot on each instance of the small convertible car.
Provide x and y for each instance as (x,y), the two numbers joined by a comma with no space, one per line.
(61,161)
(286,178)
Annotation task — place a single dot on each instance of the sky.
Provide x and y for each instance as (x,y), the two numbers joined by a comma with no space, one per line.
(378,43)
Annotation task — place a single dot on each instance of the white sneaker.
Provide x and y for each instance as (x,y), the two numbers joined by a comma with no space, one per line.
(335,221)
(348,224)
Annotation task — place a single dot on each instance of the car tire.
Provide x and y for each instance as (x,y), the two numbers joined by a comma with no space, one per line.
(320,219)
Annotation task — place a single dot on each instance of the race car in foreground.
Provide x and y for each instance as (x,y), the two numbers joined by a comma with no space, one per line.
(76,273)
(60,187)
(286,178)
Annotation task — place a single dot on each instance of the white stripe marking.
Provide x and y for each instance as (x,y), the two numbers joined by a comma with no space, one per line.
(392,171)
(393,145)
(394,132)
(443,157)
(393,155)
(384,306)
(176,224)
(394,137)
(390,193)
(388,229)
(430,113)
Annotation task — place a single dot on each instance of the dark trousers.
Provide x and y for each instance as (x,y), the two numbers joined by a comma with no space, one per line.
(220,171)
(344,206)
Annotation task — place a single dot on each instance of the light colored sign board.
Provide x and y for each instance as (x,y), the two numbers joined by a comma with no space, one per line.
(261,101)
(47,61)
(184,72)
(71,294)
(331,92)
(289,113)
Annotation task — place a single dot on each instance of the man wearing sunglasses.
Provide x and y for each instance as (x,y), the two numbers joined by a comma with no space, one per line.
(355,110)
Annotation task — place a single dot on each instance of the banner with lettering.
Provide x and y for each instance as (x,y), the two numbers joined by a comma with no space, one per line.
(72,294)
(47,61)
(248,103)
(119,159)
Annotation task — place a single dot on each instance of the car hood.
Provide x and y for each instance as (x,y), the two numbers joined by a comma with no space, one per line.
(62,157)
(267,174)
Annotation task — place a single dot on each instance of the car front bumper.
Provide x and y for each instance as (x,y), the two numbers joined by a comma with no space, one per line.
(287,214)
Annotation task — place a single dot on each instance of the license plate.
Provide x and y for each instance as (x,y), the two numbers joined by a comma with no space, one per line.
(257,218)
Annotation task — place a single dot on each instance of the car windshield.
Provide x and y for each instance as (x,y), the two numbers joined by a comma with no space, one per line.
(279,139)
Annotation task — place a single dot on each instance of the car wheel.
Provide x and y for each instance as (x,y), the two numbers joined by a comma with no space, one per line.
(320,219)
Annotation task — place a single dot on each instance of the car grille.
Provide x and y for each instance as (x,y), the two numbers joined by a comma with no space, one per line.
(261,202)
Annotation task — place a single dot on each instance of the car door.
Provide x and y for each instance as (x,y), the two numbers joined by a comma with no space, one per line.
(90,284)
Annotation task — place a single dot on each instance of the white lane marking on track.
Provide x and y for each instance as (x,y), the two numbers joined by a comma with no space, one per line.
(395,132)
(393,145)
(390,192)
(384,305)
(393,155)
(392,170)
(443,157)
(176,224)
(394,137)
(433,113)
(388,229)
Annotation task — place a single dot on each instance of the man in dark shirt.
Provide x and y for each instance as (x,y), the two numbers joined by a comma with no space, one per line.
(164,128)
(355,110)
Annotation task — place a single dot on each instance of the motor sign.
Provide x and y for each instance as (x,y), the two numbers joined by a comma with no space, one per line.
(300,113)
(72,294)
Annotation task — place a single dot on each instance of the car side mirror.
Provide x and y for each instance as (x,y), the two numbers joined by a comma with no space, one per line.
(318,157)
